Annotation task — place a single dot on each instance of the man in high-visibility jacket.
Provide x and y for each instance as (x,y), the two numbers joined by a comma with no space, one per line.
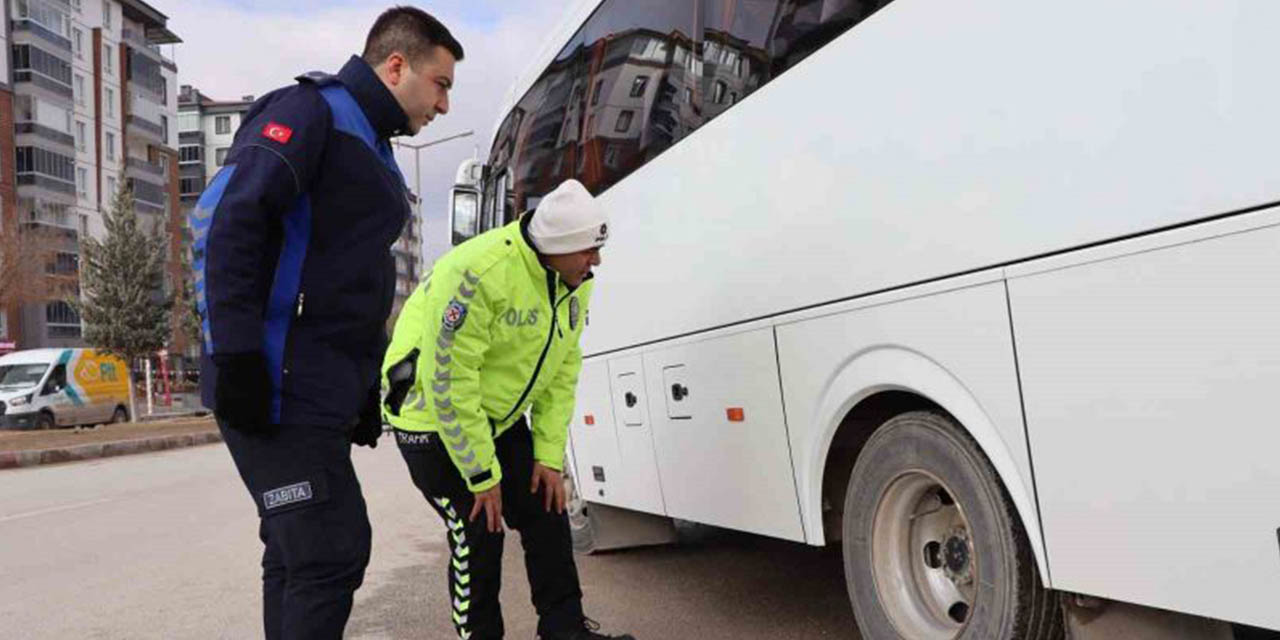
(492,333)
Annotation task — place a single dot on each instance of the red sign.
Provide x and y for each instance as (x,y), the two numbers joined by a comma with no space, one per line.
(277,132)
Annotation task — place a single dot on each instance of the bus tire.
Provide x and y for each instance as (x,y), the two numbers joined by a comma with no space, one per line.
(45,421)
(120,415)
(933,548)
(580,529)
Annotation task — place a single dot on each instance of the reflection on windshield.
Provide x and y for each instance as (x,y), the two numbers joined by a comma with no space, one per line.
(641,75)
(21,376)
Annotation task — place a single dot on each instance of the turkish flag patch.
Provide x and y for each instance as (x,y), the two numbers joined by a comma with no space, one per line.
(277,132)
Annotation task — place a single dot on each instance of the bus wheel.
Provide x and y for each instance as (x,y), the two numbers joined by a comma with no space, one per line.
(121,415)
(584,539)
(45,421)
(933,549)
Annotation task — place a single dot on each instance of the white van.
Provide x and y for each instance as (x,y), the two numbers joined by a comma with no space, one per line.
(47,388)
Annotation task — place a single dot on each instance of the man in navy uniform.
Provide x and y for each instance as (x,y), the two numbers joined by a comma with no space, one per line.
(294,282)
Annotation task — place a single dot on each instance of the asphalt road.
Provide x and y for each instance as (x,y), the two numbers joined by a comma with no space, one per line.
(164,546)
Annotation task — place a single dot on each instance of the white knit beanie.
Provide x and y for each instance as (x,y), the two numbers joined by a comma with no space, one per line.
(568,220)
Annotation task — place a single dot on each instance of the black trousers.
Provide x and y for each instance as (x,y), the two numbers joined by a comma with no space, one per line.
(475,566)
(313,524)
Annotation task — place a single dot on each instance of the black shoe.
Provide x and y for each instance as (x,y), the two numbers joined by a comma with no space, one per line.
(587,632)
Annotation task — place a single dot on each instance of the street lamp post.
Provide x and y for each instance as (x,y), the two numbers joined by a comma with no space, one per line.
(417,149)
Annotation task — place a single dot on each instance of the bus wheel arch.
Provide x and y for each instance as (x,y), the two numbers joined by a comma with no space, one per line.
(873,387)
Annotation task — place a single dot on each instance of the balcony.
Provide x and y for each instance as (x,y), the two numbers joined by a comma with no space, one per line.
(47,133)
(148,197)
(45,82)
(44,33)
(31,179)
(138,40)
(146,167)
(63,219)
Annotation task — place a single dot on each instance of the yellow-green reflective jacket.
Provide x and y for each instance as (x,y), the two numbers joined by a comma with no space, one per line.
(489,333)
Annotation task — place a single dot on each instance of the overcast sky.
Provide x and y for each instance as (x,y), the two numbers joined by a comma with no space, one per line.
(233,48)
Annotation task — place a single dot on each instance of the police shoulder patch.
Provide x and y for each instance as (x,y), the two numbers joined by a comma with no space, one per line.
(454,315)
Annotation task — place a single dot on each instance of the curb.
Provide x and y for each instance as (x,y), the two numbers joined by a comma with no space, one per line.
(36,457)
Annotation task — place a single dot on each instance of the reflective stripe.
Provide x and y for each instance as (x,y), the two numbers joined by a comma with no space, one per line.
(201,220)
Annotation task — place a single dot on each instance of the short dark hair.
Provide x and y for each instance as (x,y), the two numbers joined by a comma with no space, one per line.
(412,32)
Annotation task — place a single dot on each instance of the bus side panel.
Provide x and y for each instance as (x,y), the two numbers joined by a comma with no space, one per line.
(595,446)
(952,347)
(1150,382)
(642,488)
(720,434)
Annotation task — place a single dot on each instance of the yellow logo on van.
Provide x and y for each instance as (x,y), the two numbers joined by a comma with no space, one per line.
(90,371)
(98,377)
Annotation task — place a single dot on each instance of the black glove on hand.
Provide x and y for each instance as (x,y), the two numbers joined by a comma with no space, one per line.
(244,392)
(369,428)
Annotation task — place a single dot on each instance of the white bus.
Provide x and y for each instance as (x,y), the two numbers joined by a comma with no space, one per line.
(986,292)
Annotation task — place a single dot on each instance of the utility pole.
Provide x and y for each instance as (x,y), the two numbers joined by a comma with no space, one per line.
(417,173)
(417,149)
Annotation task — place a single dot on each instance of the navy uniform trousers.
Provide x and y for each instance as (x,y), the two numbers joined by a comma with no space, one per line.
(475,565)
(314,525)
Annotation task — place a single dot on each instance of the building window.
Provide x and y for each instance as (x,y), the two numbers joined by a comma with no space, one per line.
(110,144)
(624,121)
(718,96)
(34,160)
(75,4)
(595,94)
(111,102)
(188,121)
(191,186)
(81,134)
(220,156)
(62,322)
(189,154)
(222,125)
(107,58)
(82,181)
(79,89)
(112,186)
(638,86)
(77,37)
(63,263)
(106,14)
(30,59)
(688,95)
(164,127)
(737,66)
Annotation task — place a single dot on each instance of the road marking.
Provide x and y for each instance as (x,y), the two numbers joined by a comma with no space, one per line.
(65,507)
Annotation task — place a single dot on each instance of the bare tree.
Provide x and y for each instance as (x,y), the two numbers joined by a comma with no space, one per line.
(25,258)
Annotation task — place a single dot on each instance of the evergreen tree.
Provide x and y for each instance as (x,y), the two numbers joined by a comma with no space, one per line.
(123,305)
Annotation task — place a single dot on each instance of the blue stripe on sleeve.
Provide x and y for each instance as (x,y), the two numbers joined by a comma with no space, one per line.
(201,220)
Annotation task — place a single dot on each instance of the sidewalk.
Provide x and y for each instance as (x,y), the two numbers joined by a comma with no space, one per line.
(32,448)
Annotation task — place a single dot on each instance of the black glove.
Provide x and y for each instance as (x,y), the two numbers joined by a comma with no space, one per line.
(369,428)
(401,376)
(244,392)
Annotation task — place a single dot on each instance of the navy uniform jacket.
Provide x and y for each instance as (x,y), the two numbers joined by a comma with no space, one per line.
(292,243)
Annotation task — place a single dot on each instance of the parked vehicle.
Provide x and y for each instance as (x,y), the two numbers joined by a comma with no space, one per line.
(47,388)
